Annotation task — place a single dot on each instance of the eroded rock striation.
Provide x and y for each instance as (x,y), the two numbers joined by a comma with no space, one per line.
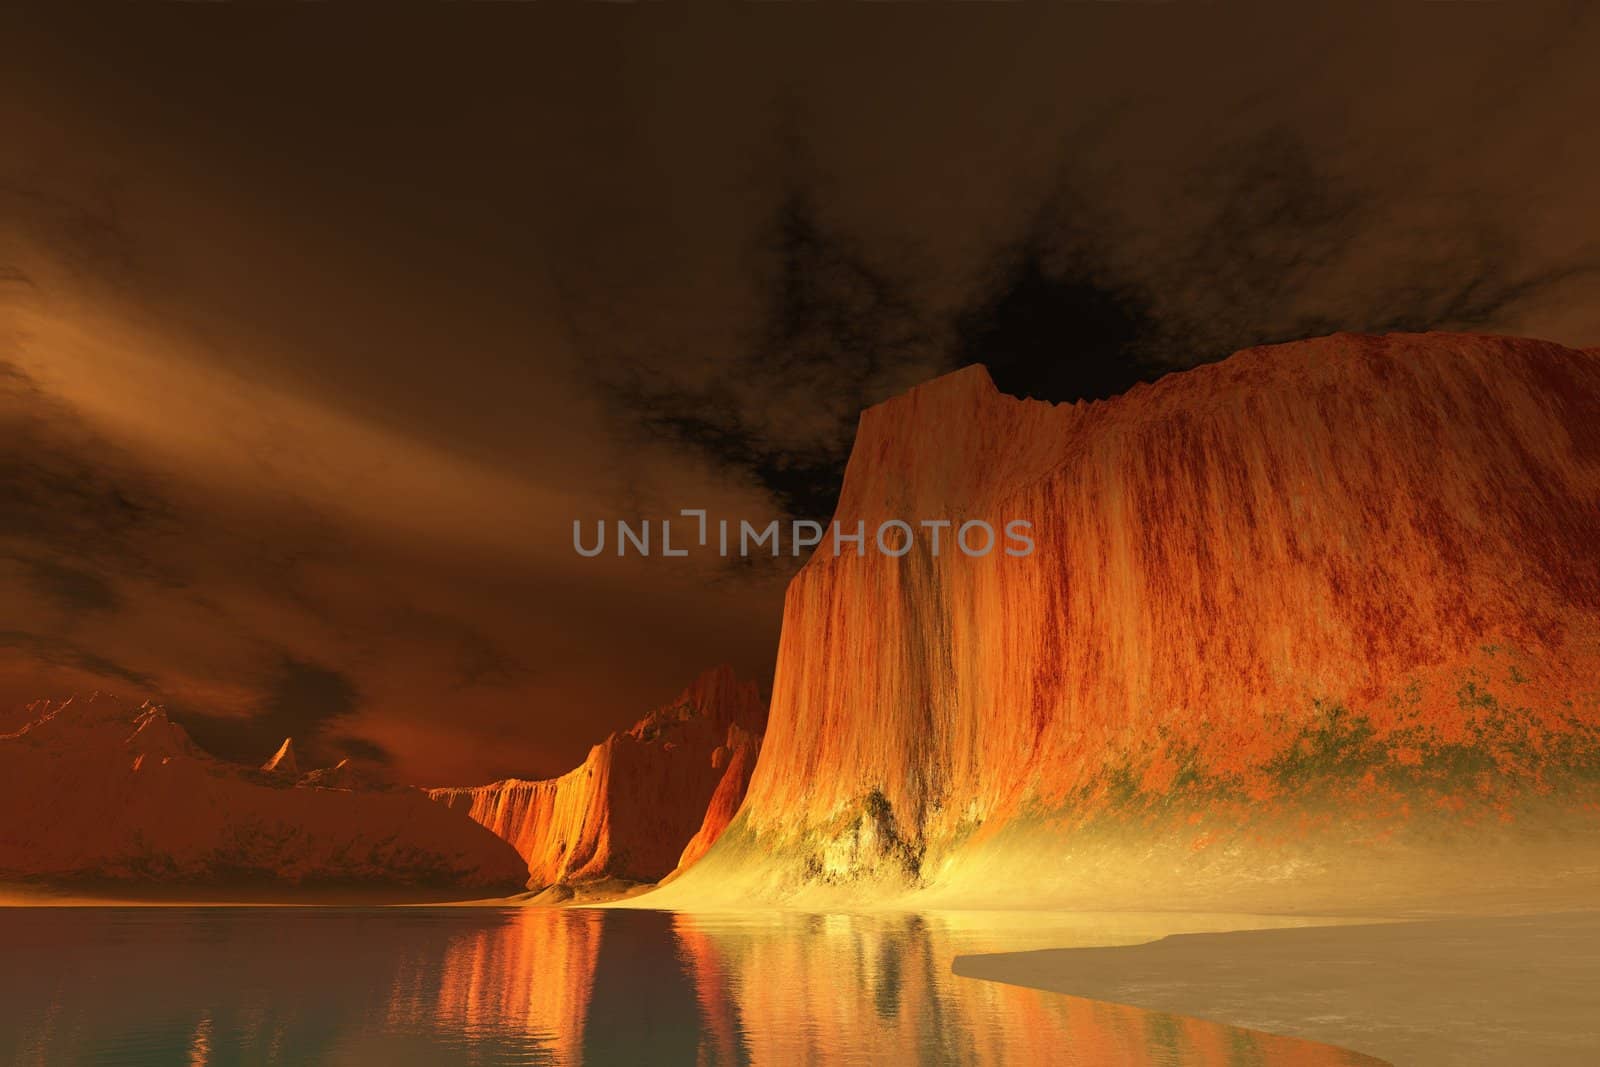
(644,795)
(96,791)
(1331,589)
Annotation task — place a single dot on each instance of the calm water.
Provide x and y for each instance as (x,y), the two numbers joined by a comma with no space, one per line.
(532,986)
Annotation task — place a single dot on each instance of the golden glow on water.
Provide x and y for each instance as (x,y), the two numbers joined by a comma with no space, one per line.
(500,974)
(200,1045)
(793,988)
(536,986)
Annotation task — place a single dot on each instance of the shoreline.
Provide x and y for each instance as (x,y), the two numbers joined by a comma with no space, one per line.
(33,895)
(1472,990)
(1480,988)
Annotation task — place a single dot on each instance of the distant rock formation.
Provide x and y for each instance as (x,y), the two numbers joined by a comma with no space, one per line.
(1314,595)
(96,791)
(343,775)
(283,761)
(672,780)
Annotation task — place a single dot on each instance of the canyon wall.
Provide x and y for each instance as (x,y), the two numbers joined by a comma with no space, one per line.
(640,798)
(737,759)
(1314,595)
(95,791)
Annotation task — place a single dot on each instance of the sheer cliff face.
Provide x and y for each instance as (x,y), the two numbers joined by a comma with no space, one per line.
(1353,573)
(97,791)
(632,807)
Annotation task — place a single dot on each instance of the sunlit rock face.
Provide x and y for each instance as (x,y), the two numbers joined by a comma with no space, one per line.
(1324,589)
(283,761)
(639,798)
(98,791)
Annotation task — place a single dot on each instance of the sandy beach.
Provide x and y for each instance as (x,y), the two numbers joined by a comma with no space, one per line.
(1522,989)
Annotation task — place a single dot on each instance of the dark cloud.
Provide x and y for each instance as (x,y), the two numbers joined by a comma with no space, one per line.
(481,660)
(302,700)
(61,653)
(1273,224)
(1261,243)
(1286,248)
(67,491)
(474,655)
(1050,325)
(361,749)
(1265,244)
(1278,247)
(303,697)
(71,588)
(837,332)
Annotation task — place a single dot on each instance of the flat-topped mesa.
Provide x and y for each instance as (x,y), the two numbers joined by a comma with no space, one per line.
(97,792)
(634,804)
(946,449)
(1354,573)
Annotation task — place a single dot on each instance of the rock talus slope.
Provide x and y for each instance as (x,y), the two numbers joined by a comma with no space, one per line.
(1316,595)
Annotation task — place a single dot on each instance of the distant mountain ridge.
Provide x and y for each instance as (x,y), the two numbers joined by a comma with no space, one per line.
(96,791)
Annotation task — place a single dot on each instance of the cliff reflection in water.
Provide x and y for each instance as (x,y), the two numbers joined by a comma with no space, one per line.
(532,986)
(796,988)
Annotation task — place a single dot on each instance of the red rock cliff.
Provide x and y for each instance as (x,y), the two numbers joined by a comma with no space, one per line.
(737,758)
(1352,571)
(632,807)
(97,791)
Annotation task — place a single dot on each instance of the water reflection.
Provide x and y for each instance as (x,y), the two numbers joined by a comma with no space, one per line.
(531,986)
(878,988)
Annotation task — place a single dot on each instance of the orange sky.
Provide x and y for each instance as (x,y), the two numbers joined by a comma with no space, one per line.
(318,330)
